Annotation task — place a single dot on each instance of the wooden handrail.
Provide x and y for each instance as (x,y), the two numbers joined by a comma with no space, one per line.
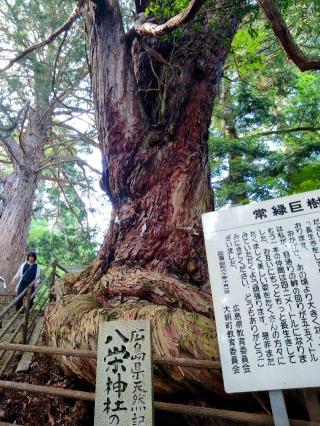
(29,328)
(16,315)
(234,416)
(12,320)
(13,302)
(27,302)
(81,353)
(20,296)
(61,267)
(48,390)
(187,362)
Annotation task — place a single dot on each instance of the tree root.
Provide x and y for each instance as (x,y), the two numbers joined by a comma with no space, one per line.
(73,322)
(146,285)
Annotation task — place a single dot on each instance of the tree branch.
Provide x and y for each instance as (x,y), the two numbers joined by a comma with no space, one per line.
(11,148)
(81,136)
(281,30)
(57,160)
(65,27)
(68,181)
(285,131)
(67,200)
(157,30)
(21,128)
(79,199)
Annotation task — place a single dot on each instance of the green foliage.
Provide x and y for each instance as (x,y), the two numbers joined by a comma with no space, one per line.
(240,167)
(40,79)
(246,46)
(165,9)
(60,226)
(70,245)
(304,105)
(256,148)
(35,75)
(306,178)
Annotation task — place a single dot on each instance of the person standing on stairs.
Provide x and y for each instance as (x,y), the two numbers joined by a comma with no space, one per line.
(28,273)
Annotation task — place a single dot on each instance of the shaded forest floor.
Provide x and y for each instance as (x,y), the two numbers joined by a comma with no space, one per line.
(37,409)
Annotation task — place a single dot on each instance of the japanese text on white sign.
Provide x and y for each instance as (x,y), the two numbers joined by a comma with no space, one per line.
(264,265)
(124,394)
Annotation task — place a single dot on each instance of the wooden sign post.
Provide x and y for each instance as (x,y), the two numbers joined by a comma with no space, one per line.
(278,407)
(124,394)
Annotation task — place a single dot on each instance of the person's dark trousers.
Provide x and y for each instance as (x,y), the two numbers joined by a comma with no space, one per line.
(22,286)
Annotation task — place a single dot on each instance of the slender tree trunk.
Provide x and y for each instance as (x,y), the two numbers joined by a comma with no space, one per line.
(235,177)
(229,122)
(19,193)
(15,219)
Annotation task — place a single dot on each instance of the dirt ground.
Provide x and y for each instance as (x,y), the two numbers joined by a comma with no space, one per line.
(33,409)
(37,409)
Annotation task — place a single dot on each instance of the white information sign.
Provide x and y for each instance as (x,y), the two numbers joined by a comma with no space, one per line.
(264,266)
(124,394)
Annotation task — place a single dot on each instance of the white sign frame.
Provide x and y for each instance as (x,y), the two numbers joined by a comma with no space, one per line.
(124,378)
(216,226)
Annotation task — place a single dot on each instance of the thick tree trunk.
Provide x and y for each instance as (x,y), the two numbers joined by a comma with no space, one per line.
(15,219)
(153,109)
(153,117)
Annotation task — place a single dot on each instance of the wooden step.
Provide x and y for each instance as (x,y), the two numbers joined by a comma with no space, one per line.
(26,358)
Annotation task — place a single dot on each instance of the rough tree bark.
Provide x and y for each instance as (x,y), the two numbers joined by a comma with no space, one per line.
(15,220)
(153,120)
(153,100)
(19,192)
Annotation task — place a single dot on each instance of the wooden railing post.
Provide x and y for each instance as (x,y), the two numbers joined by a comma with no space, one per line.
(53,272)
(53,277)
(26,315)
(312,404)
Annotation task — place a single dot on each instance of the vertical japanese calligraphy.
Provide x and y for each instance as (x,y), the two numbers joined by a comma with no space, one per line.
(264,265)
(124,394)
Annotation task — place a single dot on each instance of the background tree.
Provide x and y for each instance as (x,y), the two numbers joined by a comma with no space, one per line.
(39,104)
(58,231)
(265,129)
